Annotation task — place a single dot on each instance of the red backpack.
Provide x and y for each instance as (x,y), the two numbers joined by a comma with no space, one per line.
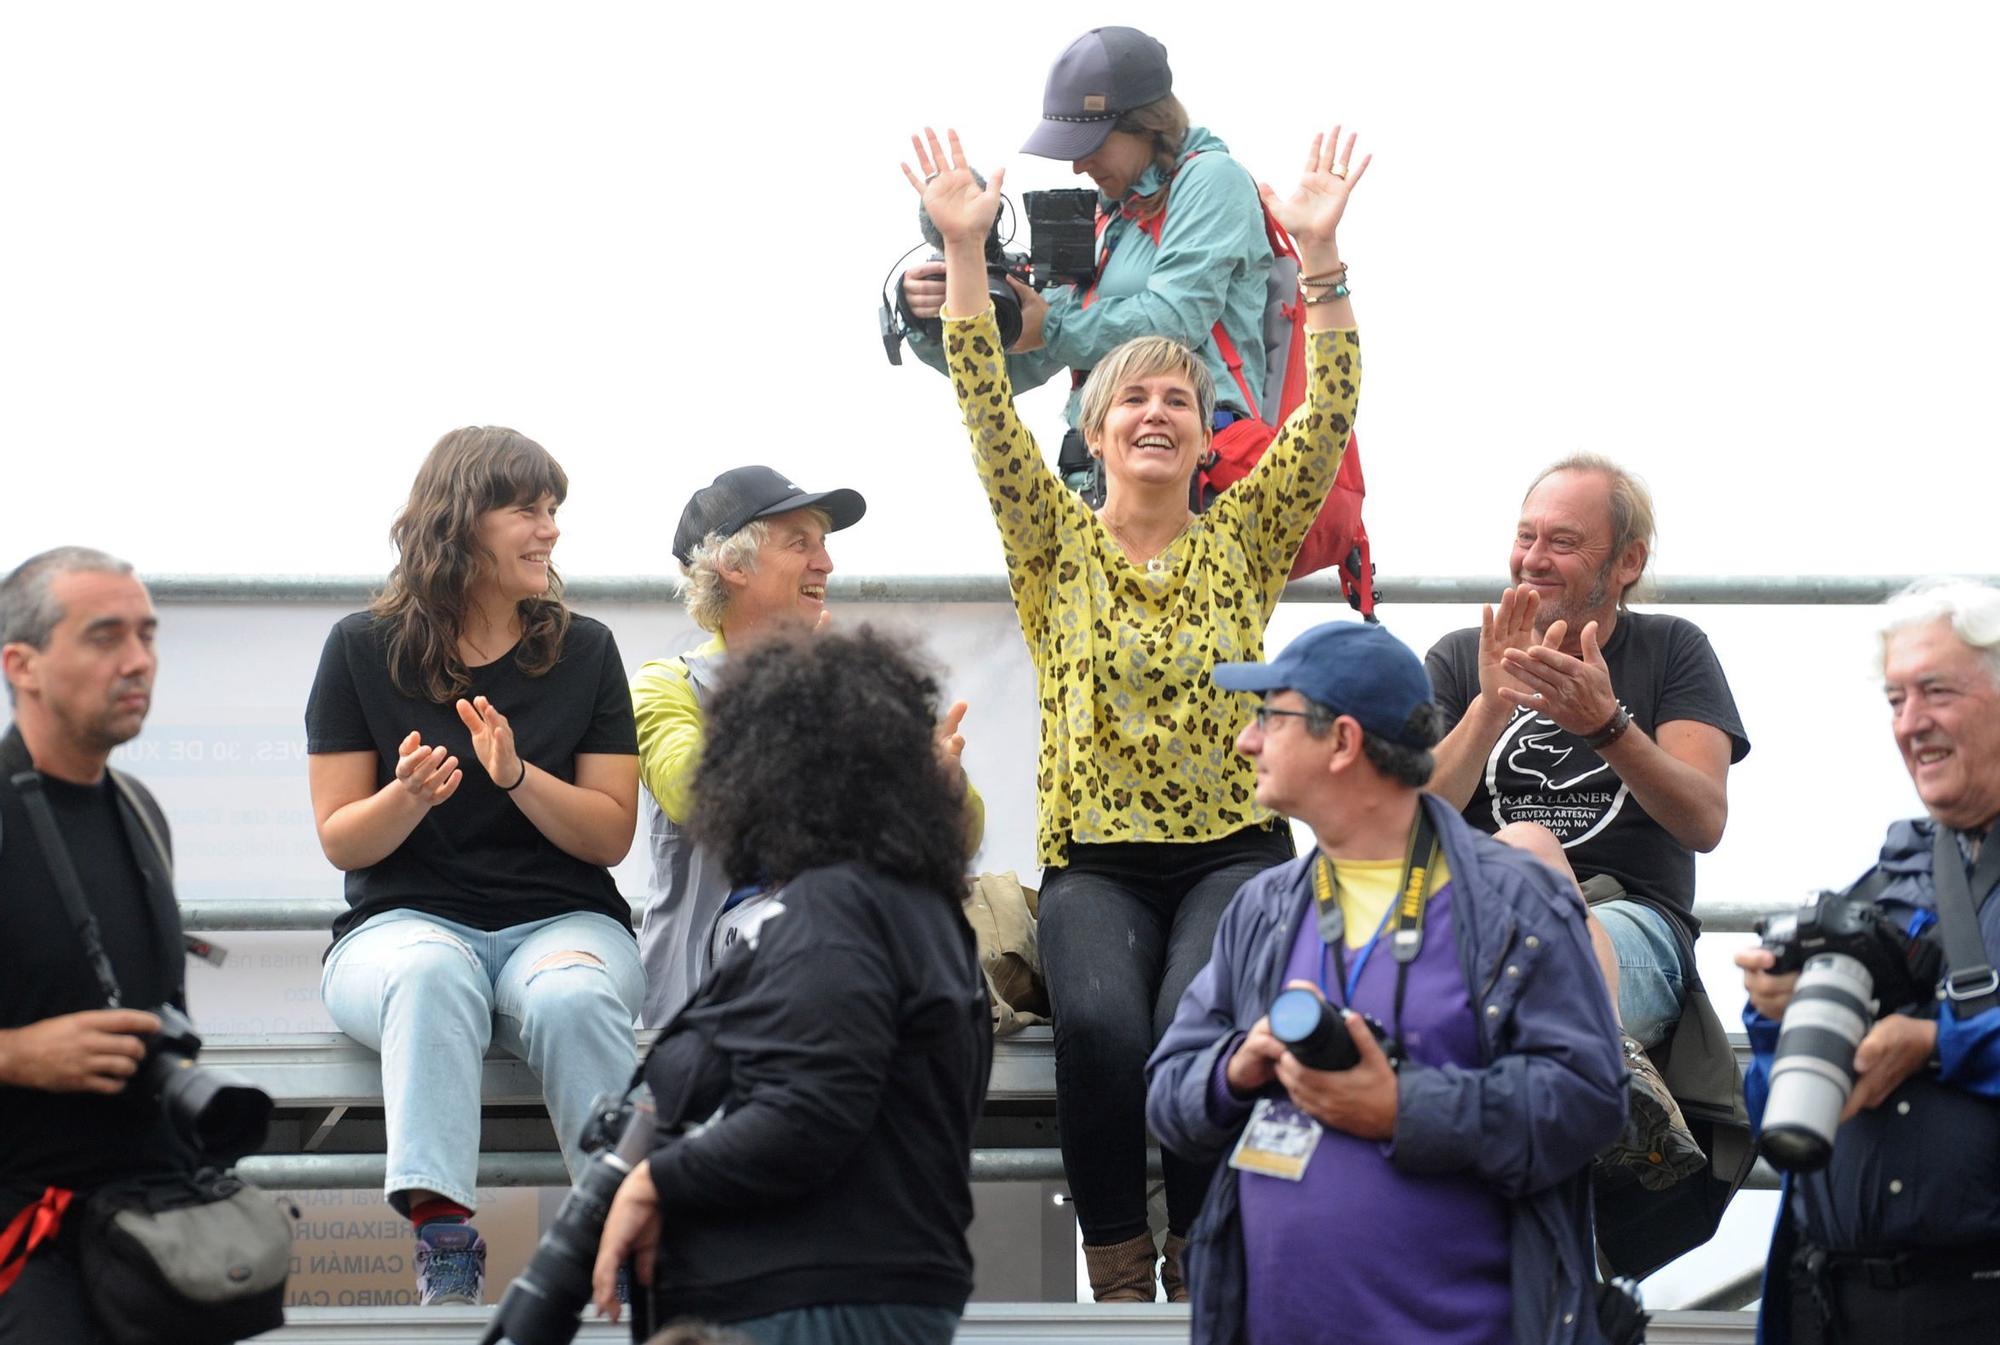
(1337,539)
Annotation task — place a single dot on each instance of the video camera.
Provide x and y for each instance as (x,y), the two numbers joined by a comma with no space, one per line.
(1855,965)
(1062,250)
(541,1306)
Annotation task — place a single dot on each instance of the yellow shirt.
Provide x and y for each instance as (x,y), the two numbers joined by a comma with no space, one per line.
(1137,744)
(1367,887)
(670,739)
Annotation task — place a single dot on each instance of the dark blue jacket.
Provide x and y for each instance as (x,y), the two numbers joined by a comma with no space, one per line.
(1552,1092)
(1951,1121)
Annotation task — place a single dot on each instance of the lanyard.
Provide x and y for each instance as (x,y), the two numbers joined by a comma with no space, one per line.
(1414,893)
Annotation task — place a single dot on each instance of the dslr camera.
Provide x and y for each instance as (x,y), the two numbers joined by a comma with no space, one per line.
(1062,250)
(1855,965)
(217,1112)
(541,1307)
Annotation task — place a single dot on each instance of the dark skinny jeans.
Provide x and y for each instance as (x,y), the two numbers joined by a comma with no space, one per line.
(1124,928)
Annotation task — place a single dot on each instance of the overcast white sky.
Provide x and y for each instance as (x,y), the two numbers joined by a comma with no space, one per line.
(259,256)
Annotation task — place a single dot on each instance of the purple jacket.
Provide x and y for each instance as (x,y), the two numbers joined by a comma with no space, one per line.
(1551,1096)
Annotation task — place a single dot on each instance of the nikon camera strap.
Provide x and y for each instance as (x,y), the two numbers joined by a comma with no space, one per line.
(1407,939)
(1972,986)
(55,853)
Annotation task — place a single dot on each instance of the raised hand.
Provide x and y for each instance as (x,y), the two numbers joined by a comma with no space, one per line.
(961,209)
(1313,212)
(950,742)
(492,741)
(1512,627)
(429,773)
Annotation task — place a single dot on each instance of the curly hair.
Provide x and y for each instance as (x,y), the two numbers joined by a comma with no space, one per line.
(819,750)
(423,604)
(705,595)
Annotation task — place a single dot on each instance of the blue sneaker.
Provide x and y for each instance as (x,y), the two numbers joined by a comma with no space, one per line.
(451,1264)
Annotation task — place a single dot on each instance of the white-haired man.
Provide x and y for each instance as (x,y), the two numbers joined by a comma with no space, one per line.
(1600,740)
(752,546)
(1897,1238)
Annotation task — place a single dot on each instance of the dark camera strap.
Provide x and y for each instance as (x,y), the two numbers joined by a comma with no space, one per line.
(55,853)
(1972,985)
(1420,867)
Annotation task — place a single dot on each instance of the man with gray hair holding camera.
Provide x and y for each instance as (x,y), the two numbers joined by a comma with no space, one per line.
(1400,1035)
(752,547)
(1897,1237)
(76,644)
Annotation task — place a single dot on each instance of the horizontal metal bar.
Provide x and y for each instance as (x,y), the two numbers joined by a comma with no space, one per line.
(1737,1292)
(1747,590)
(205,916)
(985,1323)
(362,1172)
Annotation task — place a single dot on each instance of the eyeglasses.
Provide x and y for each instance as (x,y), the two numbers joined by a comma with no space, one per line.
(1264,714)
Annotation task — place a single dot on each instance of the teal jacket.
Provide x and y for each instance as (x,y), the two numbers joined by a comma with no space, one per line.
(1212,262)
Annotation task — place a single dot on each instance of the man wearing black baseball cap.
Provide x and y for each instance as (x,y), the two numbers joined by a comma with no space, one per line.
(752,546)
(1485,1067)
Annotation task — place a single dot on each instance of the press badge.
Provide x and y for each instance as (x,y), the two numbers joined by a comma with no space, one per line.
(1278,1142)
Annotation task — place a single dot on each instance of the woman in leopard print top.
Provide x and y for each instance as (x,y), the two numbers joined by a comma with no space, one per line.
(1147,818)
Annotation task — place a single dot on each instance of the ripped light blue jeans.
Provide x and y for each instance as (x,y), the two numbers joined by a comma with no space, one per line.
(431,995)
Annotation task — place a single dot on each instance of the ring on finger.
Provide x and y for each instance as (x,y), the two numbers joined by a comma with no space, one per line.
(1338,170)
(929,176)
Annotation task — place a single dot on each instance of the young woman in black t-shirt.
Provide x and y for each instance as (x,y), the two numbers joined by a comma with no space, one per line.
(474,771)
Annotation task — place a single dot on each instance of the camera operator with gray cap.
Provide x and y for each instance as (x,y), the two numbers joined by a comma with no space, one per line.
(752,545)
(1184,272)
(1897,1238)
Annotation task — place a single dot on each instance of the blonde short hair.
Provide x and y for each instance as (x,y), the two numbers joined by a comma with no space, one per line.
(1143,357)
(705,594)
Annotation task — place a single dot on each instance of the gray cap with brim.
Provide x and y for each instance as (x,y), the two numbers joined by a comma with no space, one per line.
(1101,76)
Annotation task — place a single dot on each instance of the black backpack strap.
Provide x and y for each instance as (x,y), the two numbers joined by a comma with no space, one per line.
(55,854)
(1972,986)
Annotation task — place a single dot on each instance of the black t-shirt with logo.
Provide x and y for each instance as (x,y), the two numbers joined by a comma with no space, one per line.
(77,1141)
(1663,669)
(476,858)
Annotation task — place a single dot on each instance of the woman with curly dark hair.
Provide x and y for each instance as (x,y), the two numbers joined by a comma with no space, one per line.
(816,1097)
(474,770)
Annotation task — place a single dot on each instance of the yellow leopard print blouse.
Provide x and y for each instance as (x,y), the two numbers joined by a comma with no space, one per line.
(1137,743)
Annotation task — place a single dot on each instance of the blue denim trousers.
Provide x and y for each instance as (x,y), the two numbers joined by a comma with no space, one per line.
(1651,980)
(432,995)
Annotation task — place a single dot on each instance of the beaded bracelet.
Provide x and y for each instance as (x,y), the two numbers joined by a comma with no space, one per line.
(1339,292)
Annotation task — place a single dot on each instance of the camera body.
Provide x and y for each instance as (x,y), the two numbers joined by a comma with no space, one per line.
(1062,233)
(1315,1031)
(220,1115)
(1855,965)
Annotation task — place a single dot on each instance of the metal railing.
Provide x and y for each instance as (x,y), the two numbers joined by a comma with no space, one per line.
(1775,590)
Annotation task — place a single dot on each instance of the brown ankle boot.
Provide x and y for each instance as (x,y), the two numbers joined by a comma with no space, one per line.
(1171,1277)
(1122,1272)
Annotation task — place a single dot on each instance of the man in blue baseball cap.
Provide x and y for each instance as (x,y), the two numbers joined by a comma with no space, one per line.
(1459,968)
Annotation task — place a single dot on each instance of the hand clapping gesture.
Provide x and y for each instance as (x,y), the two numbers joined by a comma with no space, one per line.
(429,773)
(492,741)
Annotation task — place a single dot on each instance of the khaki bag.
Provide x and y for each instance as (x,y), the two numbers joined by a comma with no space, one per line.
(1002,915)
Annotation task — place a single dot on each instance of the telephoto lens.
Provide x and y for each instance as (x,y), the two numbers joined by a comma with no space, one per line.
(1313,1030)
(1812,1071)
(217,1112)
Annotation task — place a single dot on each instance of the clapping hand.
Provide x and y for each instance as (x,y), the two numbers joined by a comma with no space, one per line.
(492,741)
(1313,212)
(961,209)
(950,742)
(429,773)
